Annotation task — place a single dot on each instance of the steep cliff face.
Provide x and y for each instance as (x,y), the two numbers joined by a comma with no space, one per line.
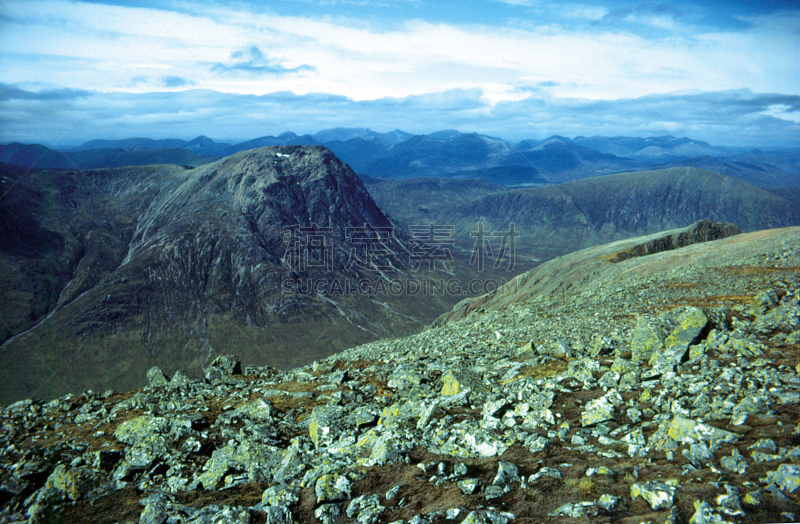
(109,272)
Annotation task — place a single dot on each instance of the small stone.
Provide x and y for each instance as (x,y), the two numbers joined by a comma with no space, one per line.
(328,513)
(468,486)
(332,487)
(735,462)
(729,503)
(493,492)
(156,377)
(658,494)
(574,510)
(607,502)
(224,366)
(754,498)
(545,472)
(506,474)
(698,453)
(759,457)
(787,477)
(366,509)
(704,514)
(765,444)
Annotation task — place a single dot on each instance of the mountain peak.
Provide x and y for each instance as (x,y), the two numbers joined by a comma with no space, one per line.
(445,134)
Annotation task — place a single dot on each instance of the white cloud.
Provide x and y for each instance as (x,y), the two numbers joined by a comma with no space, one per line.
(783,112)
(363,61)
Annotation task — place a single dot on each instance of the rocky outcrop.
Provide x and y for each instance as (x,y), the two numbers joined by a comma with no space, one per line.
(667,406)
(702,231)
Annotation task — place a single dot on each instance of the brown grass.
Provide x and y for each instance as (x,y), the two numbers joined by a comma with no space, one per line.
(548,369)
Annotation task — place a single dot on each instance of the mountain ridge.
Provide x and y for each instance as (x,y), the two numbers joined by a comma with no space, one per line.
(172,265)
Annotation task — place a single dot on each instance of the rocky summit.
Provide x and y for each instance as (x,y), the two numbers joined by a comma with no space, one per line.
(662,386)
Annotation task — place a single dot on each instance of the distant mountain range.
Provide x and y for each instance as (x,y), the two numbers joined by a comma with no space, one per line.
(444,154)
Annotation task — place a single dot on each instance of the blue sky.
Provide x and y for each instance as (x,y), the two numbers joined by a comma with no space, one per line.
(725,72)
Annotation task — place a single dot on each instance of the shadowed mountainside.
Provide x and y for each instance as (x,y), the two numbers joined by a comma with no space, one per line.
(108,272)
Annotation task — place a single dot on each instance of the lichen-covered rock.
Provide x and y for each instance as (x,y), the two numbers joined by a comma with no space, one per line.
(328,513)
(459,381)
(365,509)
(787,477)
(601,409)
(608,502)
(224,366)
(280,495)
(658,494)
(139,429)
(676,346)
(687,431)
(217,466)
(488,517)
(325,424)
(75,483)
(274,515)
(156,377)
(225,515)
(468,440)
(400,413)
(704,514)
(468,486)
(583,369)
(645,340)
(331,488)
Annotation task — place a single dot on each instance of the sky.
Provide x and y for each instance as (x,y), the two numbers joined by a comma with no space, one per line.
(726,72)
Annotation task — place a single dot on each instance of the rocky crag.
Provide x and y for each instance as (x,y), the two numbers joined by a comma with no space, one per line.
(655,388)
